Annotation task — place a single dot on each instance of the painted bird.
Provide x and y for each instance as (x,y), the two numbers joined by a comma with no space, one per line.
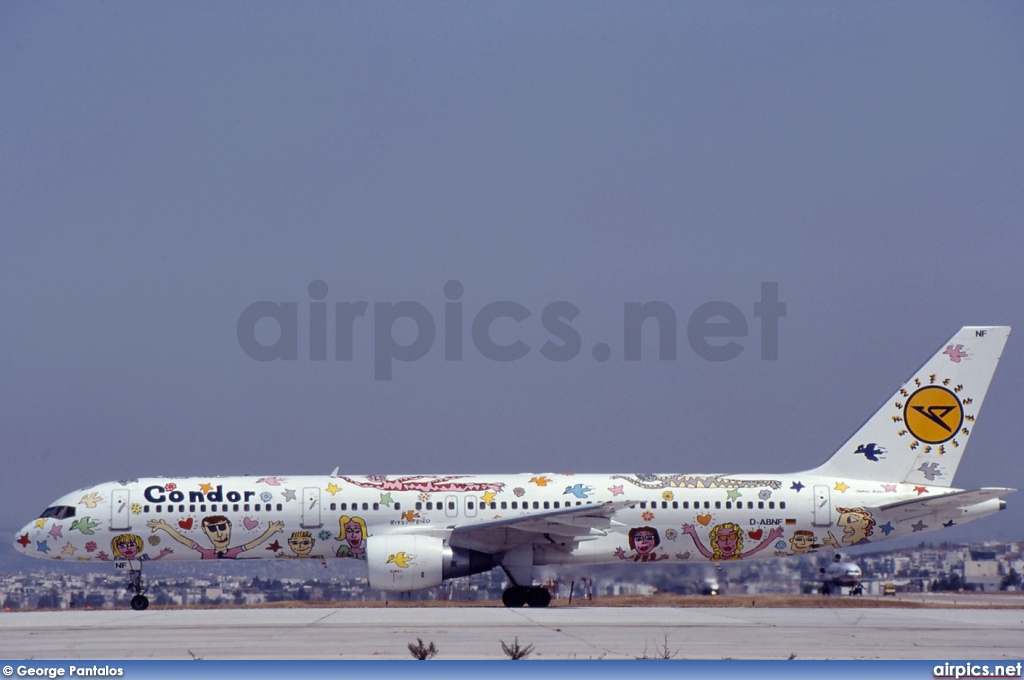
(401,560)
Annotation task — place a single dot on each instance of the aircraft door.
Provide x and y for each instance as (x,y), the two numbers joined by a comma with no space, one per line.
(120,510)
(311,508)
(822,506)
(451,506)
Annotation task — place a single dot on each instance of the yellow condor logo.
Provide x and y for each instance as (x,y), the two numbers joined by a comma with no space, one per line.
(933,414)
(401,560)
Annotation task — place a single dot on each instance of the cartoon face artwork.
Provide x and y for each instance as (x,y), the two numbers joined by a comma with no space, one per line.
(643,541)
(352,531)
(218,529)
(857,524)
(725,541)
(128,547)
(301,543)
(801,542)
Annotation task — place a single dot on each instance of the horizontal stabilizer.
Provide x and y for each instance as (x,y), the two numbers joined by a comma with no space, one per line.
(949,501)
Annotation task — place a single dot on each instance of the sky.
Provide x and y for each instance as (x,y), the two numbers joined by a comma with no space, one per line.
(165,167)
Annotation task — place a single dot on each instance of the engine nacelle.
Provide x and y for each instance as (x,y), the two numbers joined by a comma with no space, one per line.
(405,562)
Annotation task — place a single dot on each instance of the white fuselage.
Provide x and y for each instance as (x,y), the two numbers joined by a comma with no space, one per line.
(672,518)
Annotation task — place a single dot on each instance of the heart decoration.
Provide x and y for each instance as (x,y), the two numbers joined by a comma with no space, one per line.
(250,524)
(704,519)
(756,535)
(185,524)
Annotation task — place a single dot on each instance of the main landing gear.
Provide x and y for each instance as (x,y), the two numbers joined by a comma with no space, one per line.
(135,585)
(518,596)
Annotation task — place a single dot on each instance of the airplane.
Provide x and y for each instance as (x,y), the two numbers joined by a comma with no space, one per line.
(891,479)
(841,574)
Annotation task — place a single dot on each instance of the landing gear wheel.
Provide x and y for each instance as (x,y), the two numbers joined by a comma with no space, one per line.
(140,602)
(538,597)
(514,597)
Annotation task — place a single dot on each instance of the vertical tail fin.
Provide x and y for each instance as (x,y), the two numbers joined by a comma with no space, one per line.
(919,435)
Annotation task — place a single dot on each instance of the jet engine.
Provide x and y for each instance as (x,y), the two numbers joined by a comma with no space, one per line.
(405,562)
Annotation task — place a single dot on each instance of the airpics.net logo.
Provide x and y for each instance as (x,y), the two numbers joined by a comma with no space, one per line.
(713,329)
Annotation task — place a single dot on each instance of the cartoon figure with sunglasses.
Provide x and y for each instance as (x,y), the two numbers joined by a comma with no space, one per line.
(218,529)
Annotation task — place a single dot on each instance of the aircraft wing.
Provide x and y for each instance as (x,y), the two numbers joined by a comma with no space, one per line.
(950,501)
(565,526)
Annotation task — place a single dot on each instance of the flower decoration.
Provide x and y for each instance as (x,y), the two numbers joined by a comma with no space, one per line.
(781,545)
(170,487)
(668,495)
(266,496)
(424,496)
(519,491)
(90,546)
(154,540)
(648,516)
(324,534)
(765,495)
(671,534)
(136,508)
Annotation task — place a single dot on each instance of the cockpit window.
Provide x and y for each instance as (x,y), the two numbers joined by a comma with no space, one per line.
(58,512)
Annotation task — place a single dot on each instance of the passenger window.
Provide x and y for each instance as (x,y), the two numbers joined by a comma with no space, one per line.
(451,505)
(245,507)
(643,505)
(718,505)
(782,505)
(771,505)
(728,505)
(515,505)
(376,506)
(334,506)
(760,505)
(159,508)
(535,505)
(419,505)
(234,508)
(202,507)
(750,505)
(279,508)
(398,506)
(675,505)
(556,505)
(494,506)
(256,508)
(192,508)
(707,505)
(686,505)
(181,508)
(366,506)
(430,505)
(469,505)
(344,506)
(547,506)
(504,505)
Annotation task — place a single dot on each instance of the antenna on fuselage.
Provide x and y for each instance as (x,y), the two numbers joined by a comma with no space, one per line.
(335,473)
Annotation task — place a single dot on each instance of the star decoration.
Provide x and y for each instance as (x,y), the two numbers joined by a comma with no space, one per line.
(540,481)
(488,497)
(206,487)
(841,486)
(889,488)
(886,528)
(42,547)
(69,549)
(733,494)
(333,488)
(274,547)
(797,486)
(385,499)
(24,540)
(40,523)
(920,490)
(948,524)
(616,490)
(56,531)
(289,494)
(920,526)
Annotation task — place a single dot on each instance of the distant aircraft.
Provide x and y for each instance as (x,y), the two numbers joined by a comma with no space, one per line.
(891,479)
(841,574)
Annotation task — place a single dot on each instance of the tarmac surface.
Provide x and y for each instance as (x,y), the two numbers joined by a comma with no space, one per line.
(556,633)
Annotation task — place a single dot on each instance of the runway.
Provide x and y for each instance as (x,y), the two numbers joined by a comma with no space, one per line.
(477,633)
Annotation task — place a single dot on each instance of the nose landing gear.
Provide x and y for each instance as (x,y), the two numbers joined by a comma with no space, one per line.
(135,585)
